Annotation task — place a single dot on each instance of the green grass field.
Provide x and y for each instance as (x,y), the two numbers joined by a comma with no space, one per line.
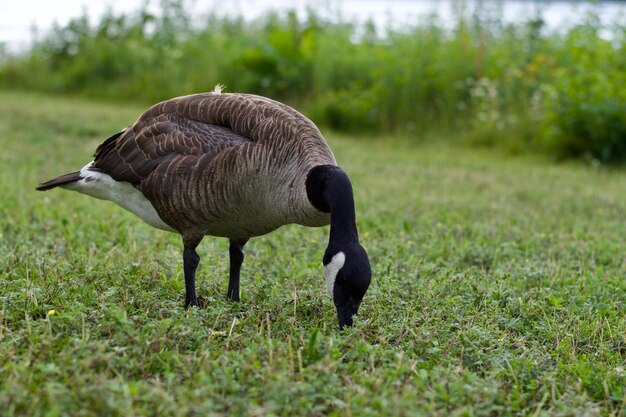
(499,290)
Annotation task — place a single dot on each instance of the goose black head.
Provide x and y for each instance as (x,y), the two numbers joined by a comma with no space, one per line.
(346,266)
(348,275)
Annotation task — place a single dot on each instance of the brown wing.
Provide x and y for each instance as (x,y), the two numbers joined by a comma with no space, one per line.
(204,125)
(133,154)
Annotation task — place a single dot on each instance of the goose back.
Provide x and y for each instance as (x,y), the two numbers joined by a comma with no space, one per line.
(230,165)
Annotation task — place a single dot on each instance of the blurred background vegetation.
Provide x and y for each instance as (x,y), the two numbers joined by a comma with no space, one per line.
(482,81)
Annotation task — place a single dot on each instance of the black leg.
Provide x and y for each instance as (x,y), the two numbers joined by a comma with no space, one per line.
(190,262)
(236,259)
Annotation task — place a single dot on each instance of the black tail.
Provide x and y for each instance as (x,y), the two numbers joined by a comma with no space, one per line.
(63,179)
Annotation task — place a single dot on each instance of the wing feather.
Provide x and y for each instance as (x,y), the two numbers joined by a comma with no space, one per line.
(133,154)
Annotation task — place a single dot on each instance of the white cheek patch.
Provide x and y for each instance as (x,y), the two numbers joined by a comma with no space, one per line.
(332,269)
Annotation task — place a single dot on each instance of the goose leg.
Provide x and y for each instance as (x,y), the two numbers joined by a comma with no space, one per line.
(236,259)
(190,263)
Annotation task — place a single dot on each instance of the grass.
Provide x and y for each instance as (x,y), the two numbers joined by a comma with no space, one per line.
(498,290)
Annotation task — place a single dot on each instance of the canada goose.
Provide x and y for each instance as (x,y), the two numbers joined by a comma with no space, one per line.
(231,165)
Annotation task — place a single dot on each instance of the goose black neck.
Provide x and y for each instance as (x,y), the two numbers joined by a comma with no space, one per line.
(329,190)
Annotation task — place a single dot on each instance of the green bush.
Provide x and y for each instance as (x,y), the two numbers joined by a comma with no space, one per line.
(584,110)
(585,115)
(349,110)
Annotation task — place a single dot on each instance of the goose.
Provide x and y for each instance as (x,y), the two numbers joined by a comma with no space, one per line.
(236,166)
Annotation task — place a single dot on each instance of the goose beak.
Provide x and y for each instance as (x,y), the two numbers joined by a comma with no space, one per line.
(345,313)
